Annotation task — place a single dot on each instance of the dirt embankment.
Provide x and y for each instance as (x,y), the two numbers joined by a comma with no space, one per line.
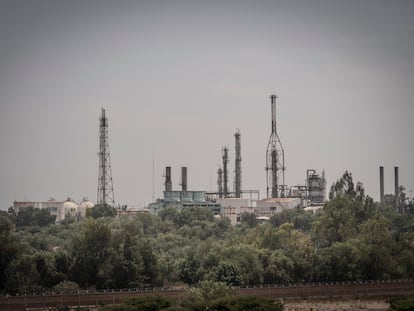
(335,304)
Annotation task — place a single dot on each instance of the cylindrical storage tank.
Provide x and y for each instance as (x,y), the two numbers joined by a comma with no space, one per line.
(69,208)
(84,206)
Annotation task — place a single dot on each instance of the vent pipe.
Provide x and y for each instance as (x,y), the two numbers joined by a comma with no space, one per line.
(225,162)
(220,182)
(381,184)
(184,178)
(397,197)
(168,183)
(238,165)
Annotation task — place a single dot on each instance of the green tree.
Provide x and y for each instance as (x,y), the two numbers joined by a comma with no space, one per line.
(402,304)
(337,221)
(343,186)
(151,274)
(145,303)
(102,210)
(300,219)
(91,255)
(278,268)
(228,272)
(127,264)
(204,293)
(243,303)
(249,219)
(34,217)
(342,261)
(8,248)
(376,234)
(66,287)
(43,218)
(23,276)
(189,269)
(46,267)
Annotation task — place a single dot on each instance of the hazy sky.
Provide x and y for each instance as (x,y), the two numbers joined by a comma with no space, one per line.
(177,78)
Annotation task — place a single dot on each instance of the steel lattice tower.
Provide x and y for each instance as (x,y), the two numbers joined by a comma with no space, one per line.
(105,185)
(275,160)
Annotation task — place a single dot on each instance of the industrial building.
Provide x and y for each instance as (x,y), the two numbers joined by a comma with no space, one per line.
(225,202)
(232,204)
(181,198)
(60,209)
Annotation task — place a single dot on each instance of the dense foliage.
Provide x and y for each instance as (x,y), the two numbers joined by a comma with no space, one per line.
(402,304)
(352,238)
(228,302)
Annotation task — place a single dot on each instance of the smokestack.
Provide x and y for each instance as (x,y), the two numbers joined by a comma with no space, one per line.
(168,183)
(238,165)
(184,178)
(225,162)
(273,108)
(220,182)
(381,184)
(397,198)
(274,174)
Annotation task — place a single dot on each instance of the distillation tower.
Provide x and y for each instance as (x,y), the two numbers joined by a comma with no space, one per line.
(105,185)
(220,182)
(275,159)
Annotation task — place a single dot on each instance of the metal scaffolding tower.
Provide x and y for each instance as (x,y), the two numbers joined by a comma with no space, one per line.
(275,160)
(105,185)
(238,179)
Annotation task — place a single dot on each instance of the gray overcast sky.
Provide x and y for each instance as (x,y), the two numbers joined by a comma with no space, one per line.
(177,78)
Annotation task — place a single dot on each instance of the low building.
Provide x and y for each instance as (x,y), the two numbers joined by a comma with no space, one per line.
(60,209)
(183,199)
(270,206)
(232,208)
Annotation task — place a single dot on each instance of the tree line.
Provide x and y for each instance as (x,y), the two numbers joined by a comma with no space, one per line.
(352,238)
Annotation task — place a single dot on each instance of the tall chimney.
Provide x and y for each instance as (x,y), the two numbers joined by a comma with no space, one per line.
(220,182)
(238,159)
(184,178)
(381,184)
(168,183)
(274,174)
(397,198)
(225,162)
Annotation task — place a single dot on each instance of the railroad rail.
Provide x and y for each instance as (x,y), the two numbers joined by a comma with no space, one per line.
(92,299)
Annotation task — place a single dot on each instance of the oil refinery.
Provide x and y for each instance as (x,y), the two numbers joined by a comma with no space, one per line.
(233,203)
(224,202)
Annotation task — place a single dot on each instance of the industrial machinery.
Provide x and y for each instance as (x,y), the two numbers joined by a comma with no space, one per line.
(275,159)
(316,186)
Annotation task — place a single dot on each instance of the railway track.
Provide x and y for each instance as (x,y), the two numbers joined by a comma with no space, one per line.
(314,290)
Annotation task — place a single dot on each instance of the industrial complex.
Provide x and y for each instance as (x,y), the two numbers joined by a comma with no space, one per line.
(225,202)
(233,203)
